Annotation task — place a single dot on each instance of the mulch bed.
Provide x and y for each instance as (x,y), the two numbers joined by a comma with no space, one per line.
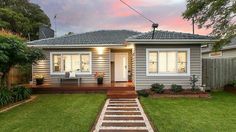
(185,93)
(229,88)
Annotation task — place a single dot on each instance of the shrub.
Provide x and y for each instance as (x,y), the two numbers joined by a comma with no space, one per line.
(158,88)
(5,96)
(193,81)
(143,93)
(20,93)
(176,88)
(233,83)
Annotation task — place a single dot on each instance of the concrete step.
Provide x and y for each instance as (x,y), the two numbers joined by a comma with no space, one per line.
(123,109)
(123,118)
(122,113)
(125,124)
(122,105)
(120,129)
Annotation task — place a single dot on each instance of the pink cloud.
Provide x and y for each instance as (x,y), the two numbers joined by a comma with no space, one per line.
(81,16)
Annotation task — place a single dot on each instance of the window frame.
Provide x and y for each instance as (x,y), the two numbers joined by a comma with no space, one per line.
(66,53)
(166,50)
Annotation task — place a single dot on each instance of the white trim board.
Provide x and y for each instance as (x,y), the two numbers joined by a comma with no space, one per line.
(168,49)
(172,41)
(72,52)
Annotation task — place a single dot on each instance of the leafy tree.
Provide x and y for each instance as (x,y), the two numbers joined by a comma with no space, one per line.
(220,15)
(13,51)
(22,17)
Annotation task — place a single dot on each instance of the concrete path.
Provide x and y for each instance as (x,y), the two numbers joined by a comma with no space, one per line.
(123,115)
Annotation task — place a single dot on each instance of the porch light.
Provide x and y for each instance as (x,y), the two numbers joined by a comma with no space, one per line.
(100,50)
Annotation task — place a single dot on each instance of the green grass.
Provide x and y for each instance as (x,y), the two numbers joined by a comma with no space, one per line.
(195,115)
(59,112)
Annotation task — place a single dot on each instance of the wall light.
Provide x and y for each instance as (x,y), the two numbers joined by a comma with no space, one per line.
(100,50)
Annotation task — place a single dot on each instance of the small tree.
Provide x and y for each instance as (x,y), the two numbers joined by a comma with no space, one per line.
(13,51)
(219,15)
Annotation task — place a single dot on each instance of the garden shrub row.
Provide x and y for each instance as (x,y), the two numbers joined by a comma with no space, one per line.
(13,94)
(232,83)
(159,88)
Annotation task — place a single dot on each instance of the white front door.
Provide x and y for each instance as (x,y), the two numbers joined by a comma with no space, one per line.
(121,66)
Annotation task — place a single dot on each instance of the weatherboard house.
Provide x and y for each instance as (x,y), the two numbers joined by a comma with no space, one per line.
(124,56)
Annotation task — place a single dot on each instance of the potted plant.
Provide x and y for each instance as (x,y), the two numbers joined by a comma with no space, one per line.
(39,79)
(99,76)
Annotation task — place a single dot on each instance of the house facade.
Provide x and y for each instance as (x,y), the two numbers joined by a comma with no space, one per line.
(123,56)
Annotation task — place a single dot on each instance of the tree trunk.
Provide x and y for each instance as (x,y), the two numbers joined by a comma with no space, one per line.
(4,79)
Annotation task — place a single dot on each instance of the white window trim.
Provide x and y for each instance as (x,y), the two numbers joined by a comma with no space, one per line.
(168,49)
(77,73)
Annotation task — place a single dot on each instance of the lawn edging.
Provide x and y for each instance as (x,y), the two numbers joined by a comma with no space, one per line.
(13,105)
(98,115)
(147,114)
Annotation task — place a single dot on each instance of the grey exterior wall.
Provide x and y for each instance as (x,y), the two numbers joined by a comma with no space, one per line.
(143,82)
(225,54)
(100,63)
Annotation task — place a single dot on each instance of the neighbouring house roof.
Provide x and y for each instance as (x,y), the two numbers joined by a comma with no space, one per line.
(231,45)
(102,37)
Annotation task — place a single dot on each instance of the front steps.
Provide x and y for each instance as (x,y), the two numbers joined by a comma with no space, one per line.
(121,94)
(123,115)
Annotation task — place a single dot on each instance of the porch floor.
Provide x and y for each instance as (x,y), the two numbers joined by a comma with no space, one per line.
(115,90)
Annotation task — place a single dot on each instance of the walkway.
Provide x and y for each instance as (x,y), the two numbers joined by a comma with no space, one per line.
(123,115)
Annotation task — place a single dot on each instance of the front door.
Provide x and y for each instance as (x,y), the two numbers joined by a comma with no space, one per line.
(121,66)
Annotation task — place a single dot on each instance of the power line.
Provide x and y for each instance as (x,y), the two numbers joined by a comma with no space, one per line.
(137,12)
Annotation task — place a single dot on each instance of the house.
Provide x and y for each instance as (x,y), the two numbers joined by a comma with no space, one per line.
(168,57)
(227,51)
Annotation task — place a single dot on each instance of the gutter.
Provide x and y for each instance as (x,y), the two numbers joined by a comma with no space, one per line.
(172,41)
(73,45)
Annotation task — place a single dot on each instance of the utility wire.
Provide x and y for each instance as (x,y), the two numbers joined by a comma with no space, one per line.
(137,12)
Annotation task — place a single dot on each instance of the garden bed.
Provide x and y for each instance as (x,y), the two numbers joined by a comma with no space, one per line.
(15,104)
(229,88)
(185,93)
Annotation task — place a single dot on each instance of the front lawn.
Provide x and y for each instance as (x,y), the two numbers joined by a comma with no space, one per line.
(199,115)
(60,112)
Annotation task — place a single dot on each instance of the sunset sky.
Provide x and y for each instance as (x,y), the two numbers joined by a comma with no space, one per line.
(88,15)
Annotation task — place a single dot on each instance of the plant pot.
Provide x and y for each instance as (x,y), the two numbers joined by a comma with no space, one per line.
(100,80)
(39,81)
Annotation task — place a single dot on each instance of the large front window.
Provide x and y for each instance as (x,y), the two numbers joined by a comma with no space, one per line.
(167,61)
(77,62)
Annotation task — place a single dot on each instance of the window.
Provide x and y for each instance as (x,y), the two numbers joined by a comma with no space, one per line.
(167,61)
(77,62)
(152,64)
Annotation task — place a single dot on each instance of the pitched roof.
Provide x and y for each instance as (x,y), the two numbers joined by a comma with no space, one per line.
(105,37)
(169,35)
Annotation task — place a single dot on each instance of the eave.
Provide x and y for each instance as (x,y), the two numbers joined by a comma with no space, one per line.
(172,41)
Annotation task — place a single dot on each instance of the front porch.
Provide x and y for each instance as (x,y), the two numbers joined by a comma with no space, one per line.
(113,90)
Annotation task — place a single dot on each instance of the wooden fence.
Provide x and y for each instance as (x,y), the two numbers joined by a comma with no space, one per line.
(218,71)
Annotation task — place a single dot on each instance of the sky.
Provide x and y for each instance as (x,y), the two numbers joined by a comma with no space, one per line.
(80,16)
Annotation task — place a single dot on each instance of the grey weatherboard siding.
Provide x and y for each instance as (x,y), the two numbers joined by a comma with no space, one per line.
(143,82)
(100,63)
